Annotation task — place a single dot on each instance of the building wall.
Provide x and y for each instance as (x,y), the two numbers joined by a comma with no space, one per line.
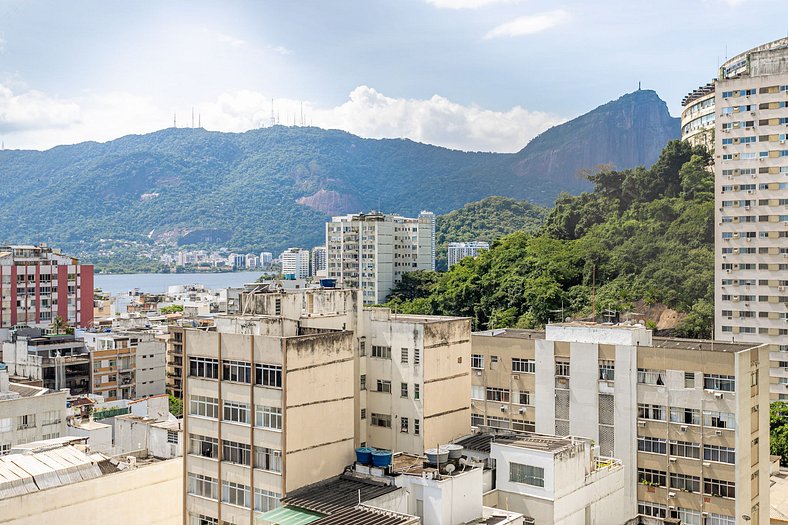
(49,411)
(151,371)
(152,494)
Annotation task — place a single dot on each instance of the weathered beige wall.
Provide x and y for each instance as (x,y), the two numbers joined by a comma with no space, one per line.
(152,494)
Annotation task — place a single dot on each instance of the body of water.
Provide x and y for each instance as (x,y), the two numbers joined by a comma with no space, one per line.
(120,284)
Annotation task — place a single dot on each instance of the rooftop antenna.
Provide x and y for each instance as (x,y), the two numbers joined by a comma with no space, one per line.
(174,121)
(593,293)
(199,121)
(192,117)
(302,113)
(638,85)
(273,120)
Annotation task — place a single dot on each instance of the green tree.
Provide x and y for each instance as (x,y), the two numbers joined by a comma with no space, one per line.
(171,309)
(778,430)
(176,406)
(414,285)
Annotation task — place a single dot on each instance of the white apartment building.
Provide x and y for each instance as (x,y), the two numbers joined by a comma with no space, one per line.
(688,418)
(265,260)
(751,166)
(319,261)
(29,413)
(372,251)
(252,261)
(458,251)
(295,262)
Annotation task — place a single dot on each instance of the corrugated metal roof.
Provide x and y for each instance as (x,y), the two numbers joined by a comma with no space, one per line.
(288,516)
(361,515)
(337,493)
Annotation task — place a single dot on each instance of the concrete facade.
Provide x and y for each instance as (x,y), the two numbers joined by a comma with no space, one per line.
(661,406)
(372,251)
(57,361)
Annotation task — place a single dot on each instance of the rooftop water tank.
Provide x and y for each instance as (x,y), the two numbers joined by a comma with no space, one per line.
(437,455)
(364,455)
(455,451)
(381,458)
(328,283)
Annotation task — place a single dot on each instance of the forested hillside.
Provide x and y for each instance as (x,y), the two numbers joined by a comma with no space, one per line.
(646,233)
(486,220)
(268,189)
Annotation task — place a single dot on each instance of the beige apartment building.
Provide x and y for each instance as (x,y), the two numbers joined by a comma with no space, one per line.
(372,251)
(689,419)
(279,396)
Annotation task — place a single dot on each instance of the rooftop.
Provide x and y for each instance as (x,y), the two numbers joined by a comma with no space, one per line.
(700,344)
(514,333)
(337,493)
(529,440)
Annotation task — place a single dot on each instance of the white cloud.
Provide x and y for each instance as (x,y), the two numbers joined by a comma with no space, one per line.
(529,24)
(467,4)
(33,120)
(229,40)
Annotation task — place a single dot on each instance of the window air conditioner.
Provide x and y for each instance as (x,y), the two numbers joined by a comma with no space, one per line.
(718,432)
(671,494)
(672,460)
(515,376)
(683,428)
(718,395)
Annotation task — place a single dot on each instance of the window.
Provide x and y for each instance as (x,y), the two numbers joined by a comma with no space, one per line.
(684,482)
(203,486)
(523,366)
(201,519)
(172,437)
(523,398)
(383,352)
(651,377)
(652,477)
(416,427)
(685,416)
(6,424)
(269,375)
(477,361)
(268,417)
(562,368)
(720,519)
(498,394)
(720,454)
(403,390)
(477,420)
(403,424)
(719,382)
(416,391)
(26,421)
(404,356)
(362,382)
(234,452)
(51,417)
(268,459)
(477,392)
(204,367)
(646,411)
(652,444)
(719,419)
(237,412)
(235,494)
(384,386)
(688,516)
(607,370)
(524,425)
(717,487)
(381,420)
(497,422)
(238,371)
(655,510)
(265,500)
(685,449)
(527,474)
(689,379)
(204,446)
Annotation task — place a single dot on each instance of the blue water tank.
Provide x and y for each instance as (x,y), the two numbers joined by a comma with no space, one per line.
(381,458)
(290,277)
(328,283)
(364,455)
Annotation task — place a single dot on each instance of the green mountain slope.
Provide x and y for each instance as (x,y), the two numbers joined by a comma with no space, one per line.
(646,234)
(485,220)
(272,188)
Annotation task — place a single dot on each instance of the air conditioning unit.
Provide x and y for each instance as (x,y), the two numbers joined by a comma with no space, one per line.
(706,464)
(747,207)
(671,494)
(683,428)
(503,408)
(718,432)
(641,424)
(672,460)
(478,372)
(521,411)
(515,376)
(718,395)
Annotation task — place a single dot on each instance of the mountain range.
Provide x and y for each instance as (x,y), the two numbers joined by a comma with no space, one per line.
(274,187)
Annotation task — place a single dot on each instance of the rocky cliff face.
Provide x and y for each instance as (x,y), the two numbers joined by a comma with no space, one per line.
(627,132)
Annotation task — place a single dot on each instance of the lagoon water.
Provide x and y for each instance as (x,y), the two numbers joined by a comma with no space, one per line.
(120,284)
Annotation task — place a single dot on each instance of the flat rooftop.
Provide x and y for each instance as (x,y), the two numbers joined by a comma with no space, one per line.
(529,440)
(706,345)
(512,333)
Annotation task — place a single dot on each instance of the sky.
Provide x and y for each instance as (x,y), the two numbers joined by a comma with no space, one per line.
(476,75)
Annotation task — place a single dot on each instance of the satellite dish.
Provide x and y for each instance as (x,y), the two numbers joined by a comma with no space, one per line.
(449,468)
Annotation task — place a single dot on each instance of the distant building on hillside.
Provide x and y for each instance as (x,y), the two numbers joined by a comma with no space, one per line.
(265,260)
(372,251)
(295,263)
(458,251)
(38,284)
